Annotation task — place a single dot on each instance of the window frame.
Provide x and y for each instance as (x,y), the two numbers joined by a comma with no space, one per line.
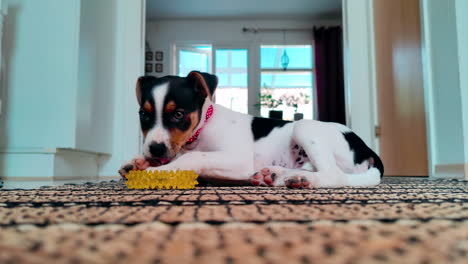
(279,70)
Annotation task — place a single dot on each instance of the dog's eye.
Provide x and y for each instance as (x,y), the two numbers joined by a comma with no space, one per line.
(144,116)
(178,115)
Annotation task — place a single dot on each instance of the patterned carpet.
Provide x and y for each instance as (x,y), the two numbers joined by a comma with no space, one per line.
(403,220)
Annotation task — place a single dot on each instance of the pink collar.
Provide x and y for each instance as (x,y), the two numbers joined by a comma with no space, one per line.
(209,113)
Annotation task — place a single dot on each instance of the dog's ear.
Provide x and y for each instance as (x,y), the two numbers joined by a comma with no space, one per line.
(205,83)
(143,83)
(138,90)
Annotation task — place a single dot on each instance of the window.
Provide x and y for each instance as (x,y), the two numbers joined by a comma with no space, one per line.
(287,91)
(231,69)
(193,58)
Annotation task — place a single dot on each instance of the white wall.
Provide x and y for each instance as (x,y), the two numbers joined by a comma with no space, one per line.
(461,7)
(442,86)
(163,35)
(3,12)
(69,86)
(96,75)
(129,61)
(39,86)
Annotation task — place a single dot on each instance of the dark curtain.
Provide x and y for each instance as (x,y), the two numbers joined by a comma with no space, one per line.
(328,47)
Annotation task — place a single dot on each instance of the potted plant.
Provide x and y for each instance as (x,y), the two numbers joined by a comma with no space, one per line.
(293,100)
(266,100)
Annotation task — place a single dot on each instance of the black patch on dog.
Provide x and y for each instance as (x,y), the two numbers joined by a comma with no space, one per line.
(186,98)
(147,118)
(303,153)
(262,127)
(273,176)
(362,152)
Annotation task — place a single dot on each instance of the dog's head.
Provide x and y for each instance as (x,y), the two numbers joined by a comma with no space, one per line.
(170,111)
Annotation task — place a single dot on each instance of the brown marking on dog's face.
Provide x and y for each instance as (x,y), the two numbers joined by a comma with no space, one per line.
(179,137)
(170,107)
(148,107)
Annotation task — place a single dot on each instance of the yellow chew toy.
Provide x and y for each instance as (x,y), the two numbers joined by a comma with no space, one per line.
(178,179)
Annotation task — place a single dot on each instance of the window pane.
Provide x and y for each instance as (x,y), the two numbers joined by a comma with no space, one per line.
(290,92)
(286,79)
(203,47)
(223,79)
(222,57)
(300,57)
(239,58)
(194,59)
(239,79)
(231,69)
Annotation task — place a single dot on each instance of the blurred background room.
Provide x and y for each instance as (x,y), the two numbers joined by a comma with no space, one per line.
(393,71)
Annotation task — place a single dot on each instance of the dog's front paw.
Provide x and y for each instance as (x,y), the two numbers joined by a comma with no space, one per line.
(138,163)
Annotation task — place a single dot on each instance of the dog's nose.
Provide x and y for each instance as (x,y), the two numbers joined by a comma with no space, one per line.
(157,149)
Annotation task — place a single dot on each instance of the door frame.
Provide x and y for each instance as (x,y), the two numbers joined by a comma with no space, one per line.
(130,62)
(359,69)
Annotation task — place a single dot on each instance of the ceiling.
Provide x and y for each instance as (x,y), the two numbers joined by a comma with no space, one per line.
(251,9)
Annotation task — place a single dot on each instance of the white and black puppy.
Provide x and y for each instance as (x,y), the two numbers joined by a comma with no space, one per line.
(184,130)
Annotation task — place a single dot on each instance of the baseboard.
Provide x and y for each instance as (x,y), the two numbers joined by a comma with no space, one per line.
(48,164)
(451,171)
(76,163)
(27,164)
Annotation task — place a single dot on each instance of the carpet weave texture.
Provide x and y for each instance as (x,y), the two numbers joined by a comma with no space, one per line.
(403,220)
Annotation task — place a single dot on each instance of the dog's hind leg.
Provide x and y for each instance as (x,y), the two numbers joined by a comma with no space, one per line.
(320,141)
(321,171)
(269,176)
(294,178)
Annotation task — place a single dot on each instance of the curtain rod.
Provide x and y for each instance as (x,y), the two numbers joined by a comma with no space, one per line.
(258,30)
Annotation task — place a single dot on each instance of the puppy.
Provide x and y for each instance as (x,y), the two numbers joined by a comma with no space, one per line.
(184,129)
